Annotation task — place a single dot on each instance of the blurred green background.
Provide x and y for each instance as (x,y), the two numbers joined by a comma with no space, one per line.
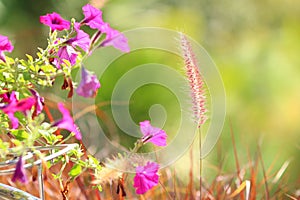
(255,44)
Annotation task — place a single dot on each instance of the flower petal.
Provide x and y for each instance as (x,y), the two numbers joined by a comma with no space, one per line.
(5,45)
(146,177)
(20,172)
(67,122)
(152,134)
(89,84)
(81,40)
(116,39)
(55,21)
(65,53)
(92,17)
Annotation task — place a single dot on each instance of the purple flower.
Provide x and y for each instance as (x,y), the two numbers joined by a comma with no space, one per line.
(81,40)
(67,122)
(55,21)
(89,84)
(153,134)
(115,38)
(146,177)
(65,53)
(5,45)
(20,172)
(39,102)
(17,106)
(92,17)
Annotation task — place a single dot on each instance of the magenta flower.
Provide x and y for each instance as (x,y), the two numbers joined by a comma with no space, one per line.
(153,134)
(39,102)
(92,17)
(17,106)
(81,40)
(65,53)
(55,21)
(20,172)
(5,45)
(146,177)
(67,122)
(4,98)
(89,84)
(115,38)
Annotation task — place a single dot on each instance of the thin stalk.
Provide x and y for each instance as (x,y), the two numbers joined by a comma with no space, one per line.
(201,163)
(235,152)
(264,173)
(92,176)
(165,189)
(236,158)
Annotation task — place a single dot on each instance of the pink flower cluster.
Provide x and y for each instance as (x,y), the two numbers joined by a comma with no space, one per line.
(9,104)
(147,176)
(93,19)
(68,53)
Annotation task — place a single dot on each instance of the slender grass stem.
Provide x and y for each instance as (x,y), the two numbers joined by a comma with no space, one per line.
(165,189)
(264,173)
(201,163)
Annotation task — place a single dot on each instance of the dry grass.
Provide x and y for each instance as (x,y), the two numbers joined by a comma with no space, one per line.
(248,181)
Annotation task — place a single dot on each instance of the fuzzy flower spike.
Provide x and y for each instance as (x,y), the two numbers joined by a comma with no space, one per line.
(195,80)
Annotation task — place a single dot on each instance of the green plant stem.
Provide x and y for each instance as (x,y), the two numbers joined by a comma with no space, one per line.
(66,139)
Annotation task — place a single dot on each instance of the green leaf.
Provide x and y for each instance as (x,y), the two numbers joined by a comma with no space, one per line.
(3,148)
(48,68)
(29,57)
(47,132)
(20,134)
(93,162)
(75,171)
(56,176)
(16,142)
(98,187)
